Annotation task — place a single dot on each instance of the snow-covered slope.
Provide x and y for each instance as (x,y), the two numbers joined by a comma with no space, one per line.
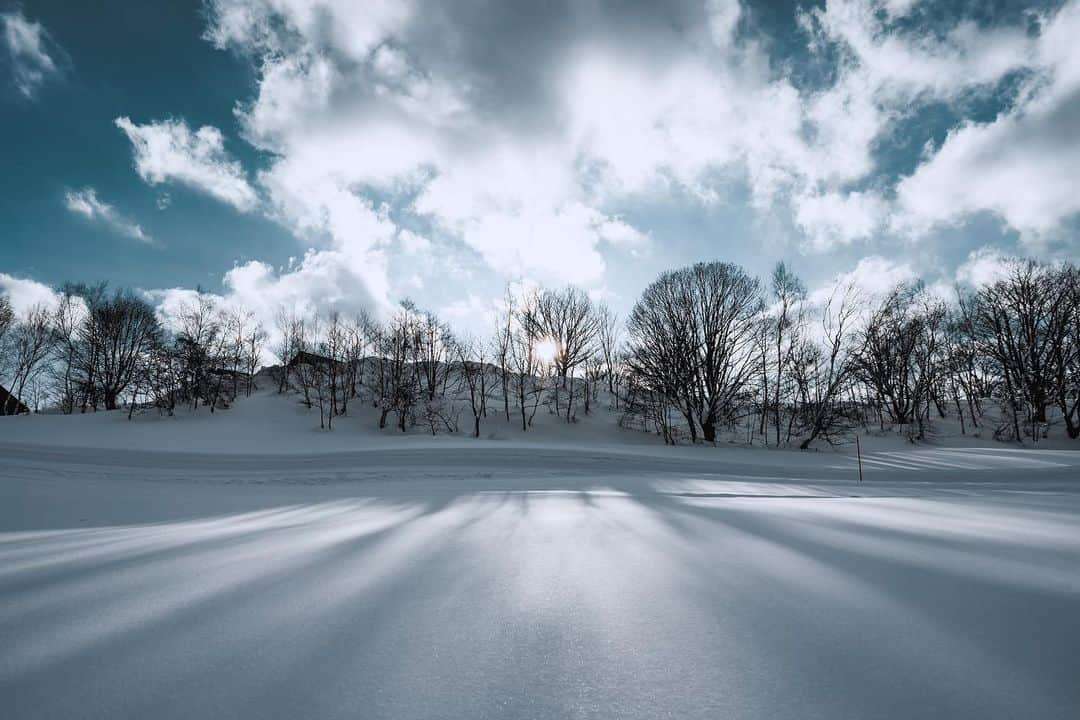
(268,422)
(249,565)
(272,423)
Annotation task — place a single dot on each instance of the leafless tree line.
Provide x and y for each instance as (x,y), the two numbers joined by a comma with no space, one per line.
(709,352)
(98,350)
(550,349)
(710,347)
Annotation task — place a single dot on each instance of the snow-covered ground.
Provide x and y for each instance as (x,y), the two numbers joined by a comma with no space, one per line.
(248,565)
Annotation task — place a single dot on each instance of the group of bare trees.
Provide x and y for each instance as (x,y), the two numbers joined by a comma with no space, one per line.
(85,353)
(710,347)
(95,349)
(550,348)
(210,356)
(710,351)
(1024,331)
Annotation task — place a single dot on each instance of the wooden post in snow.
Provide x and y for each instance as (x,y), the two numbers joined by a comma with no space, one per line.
(858,452)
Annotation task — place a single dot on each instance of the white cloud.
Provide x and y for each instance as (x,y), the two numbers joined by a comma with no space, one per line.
(85,202)
(391,122)
(619,233)
(168,151)
(28,45)
(555,244)
(872,277)
(899,8)
(521,209)
(317,206)
(414,244)
(892,66)
(882,76)
(320,282)
(355,28)
(834,218)
(288,83)
(723,19)
(25,293)
(1022,166)
(984,266)
(514,161)
(644,126)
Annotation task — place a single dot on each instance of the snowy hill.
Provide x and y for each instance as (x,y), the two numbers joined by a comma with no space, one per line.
(279,423)
(247,564)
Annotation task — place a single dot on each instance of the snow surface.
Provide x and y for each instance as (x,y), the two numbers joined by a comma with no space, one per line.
(247,565)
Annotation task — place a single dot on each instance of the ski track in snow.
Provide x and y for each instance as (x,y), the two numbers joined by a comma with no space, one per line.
(504,581)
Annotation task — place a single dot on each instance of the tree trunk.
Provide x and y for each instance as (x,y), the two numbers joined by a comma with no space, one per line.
(708,430)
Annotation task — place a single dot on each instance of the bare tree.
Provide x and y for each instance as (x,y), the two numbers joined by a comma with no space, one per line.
(356,338)
(503,343)
(253,343)
(116,339)
(663,351)
(568,319)
(306,365)
(429,347)
(694,333)
(242,334)
(199,341)
(899,354)
(164,370)
(476,374)
(285,322)
(788,316)
(395,387)
(7,321)
(7,316)
(332,349)
(822,371)
(968,373)
(31,342)
(1065,349)
(69,313)
(525,367)
(607,326)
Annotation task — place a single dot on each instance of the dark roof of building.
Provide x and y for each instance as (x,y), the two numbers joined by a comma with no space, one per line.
(308,358)
(11,405)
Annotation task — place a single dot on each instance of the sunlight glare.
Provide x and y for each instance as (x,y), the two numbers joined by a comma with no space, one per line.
(545,350)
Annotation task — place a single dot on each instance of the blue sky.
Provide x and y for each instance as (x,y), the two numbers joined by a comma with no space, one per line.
(334,154)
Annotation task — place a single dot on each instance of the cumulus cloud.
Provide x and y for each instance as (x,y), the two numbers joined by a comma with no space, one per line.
(872,277)
(382,106)
(835,218)
(169,151)
(889,65)
(30,52)
(25,293)
(723,20)
(984,266)
(86,203)
(320,282)
(1020,166)
(512,137)
(355,28)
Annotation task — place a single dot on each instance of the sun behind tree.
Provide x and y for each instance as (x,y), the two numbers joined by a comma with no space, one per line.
(546,350)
